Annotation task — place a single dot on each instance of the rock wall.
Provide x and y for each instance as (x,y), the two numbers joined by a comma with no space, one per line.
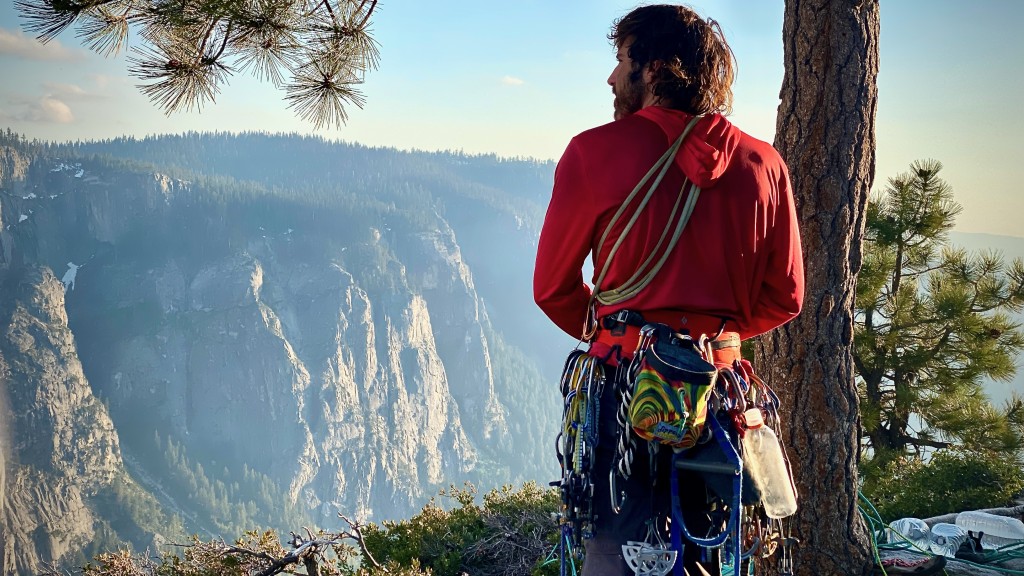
(353,367)
(296,371)
(59,446)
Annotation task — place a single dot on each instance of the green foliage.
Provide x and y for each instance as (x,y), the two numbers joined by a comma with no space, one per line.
(511,533)
(931,324)
(952,480)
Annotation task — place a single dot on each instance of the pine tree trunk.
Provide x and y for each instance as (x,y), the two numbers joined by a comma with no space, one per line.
(826,133)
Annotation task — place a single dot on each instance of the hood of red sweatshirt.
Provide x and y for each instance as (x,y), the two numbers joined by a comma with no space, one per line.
(707,151)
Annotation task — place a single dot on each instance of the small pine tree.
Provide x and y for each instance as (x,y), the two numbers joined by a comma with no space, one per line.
(931,324)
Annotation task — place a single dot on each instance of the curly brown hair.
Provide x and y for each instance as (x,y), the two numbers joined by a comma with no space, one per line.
(692,65)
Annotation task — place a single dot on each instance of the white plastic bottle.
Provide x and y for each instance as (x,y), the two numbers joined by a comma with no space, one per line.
(997,530)
(762,456)
(947,538)
(913,530)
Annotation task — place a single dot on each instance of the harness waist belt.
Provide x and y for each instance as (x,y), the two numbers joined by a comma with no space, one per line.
(726,341)
(622,328)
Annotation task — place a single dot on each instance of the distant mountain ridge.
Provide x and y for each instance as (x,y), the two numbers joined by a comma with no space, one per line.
(465,184)
(277,328)
(1011,246)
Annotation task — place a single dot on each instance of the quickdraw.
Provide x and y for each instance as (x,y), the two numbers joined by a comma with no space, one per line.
(582,384)
(625,445)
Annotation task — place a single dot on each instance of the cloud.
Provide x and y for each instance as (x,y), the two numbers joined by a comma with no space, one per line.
(69,91)
(512,81)
(50,109)
(46,109)
(17,44)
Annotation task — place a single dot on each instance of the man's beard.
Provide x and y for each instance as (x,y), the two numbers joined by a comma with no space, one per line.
(629,97)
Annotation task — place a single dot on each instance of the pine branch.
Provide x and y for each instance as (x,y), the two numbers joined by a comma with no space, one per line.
(104,32)
(224,42)
(266,39)
(949,331)
(327,5)
(319,90)
(366,17)
(48,18)
(190,48)
(175,79)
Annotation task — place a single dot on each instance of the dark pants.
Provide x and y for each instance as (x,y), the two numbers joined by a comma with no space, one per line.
(647,499)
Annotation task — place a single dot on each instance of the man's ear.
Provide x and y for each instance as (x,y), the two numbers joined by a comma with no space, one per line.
(651,69)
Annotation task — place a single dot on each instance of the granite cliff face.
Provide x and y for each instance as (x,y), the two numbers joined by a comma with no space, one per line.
(42,389)
(58,446)
(278,353)
(13,166)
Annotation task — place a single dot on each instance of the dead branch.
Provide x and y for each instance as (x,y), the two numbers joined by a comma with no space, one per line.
(357,535)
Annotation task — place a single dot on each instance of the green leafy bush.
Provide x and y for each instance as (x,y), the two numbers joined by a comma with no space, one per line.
(950,481)
(511,533)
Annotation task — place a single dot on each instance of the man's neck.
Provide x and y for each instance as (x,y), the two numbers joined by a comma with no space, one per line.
(651,100)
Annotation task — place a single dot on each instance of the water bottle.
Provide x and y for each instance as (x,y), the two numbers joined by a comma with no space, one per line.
(913,530)
(996,530)
(995,542)
(762,456)
(947,538)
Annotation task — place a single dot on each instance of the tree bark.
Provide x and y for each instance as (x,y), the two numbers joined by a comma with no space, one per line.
(826,133)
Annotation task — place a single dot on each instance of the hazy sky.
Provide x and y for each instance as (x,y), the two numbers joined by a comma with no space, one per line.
(521,78)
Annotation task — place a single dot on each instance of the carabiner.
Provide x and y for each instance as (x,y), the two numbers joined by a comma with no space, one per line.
(617,503)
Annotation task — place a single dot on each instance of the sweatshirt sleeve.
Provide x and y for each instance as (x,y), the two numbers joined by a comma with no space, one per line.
(565,242)
(781,296)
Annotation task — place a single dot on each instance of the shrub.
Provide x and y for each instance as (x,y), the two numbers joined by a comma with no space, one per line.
(510,534)
(950,481)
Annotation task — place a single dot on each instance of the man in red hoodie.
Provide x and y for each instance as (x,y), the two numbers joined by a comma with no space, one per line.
(736,270)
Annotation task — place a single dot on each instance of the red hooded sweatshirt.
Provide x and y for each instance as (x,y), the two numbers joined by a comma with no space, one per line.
(738,257)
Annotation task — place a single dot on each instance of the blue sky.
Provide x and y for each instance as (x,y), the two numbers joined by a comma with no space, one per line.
(521,78)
